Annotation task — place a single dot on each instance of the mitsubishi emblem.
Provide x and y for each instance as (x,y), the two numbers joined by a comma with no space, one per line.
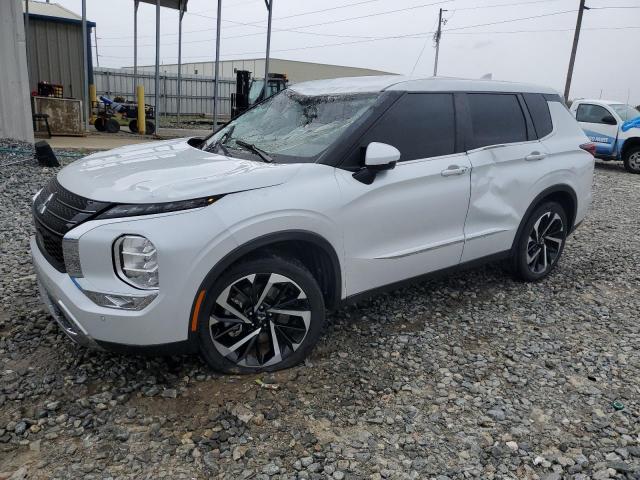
(43,207)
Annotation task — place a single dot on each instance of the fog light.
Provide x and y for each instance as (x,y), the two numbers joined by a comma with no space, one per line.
(120,302)
(71,254)
(136,261)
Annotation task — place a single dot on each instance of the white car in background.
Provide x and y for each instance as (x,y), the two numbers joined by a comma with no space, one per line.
(234,245)
(614,127)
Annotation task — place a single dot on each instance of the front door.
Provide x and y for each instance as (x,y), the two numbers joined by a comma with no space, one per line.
(410,220)
(590,117)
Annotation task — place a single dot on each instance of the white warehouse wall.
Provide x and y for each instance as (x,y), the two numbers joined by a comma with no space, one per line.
(296,71)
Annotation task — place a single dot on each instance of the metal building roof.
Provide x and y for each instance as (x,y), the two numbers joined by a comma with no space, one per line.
(50,10)
(175,4)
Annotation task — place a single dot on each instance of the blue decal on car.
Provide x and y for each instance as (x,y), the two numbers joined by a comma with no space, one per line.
(629,124)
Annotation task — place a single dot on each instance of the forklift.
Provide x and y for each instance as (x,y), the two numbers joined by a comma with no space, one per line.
(251,91)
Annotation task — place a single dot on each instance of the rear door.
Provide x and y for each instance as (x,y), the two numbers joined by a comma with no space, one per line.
(410,220)
(590,117)
(507,162)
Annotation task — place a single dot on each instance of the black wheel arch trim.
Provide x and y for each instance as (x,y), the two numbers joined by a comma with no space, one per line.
(251,246)
(537,201)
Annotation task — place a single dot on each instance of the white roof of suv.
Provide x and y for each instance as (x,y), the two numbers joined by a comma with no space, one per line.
(416,84)
(598,101)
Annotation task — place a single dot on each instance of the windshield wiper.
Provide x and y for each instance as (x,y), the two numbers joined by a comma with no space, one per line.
(258,151)
(222,140)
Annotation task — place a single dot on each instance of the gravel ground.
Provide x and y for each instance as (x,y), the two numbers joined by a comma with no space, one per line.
(472,376)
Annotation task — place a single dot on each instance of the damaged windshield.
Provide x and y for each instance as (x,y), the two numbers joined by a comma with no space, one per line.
(290,127)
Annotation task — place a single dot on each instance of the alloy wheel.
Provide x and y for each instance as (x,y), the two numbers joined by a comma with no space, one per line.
(260,319)
(634,161)
(545,242)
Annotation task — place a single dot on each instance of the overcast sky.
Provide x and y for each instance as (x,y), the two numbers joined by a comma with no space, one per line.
(607,59)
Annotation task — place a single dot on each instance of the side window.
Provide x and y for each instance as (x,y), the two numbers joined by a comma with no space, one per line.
(591,113)
(420,125)
(496,118)
(539,111)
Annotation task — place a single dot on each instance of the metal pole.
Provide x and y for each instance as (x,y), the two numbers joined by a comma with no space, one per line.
(180,57)
(157,79)
(437,38)
(574,49)
(215,81)
(95,34)
(135,43)
(85,57)
(269,4)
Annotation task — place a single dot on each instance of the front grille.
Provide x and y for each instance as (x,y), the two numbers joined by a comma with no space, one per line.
(55,212)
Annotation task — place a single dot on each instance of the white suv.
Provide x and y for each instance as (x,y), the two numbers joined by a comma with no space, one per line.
(235,245)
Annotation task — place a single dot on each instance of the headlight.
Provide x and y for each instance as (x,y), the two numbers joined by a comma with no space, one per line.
(136,261)
(135,209)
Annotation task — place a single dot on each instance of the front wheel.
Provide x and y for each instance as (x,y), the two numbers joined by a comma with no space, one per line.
(632,160)
(541,243)
(262,315)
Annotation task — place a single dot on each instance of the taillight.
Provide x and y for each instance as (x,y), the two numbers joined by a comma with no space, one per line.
(589,147)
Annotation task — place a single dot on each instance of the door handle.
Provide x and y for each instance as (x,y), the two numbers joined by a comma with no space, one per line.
(534,156)
(454,170)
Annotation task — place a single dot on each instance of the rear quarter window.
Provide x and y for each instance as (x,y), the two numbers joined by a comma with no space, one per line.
(539,111)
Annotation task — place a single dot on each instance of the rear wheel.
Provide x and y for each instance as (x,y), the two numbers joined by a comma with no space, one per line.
(541,243)
(112,126)
(150,128)
(263,315)
(133,126)
(632,160)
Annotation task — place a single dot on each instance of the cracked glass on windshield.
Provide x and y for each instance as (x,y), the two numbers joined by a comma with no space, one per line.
(291,127)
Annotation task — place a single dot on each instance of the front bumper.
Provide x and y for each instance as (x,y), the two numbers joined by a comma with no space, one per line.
(105,328)
(65,320)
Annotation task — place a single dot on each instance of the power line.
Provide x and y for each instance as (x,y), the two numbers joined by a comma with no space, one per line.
(477,7)
(318,11)
(613,8)
(418,35)
(294,29)
(509,21)
(551,30)
(331,22)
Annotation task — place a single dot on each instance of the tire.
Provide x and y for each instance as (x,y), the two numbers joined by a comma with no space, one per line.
(99,124)
(237,336)
(133,126)
(540,245)
(632,160)
(150,128)
(112,126)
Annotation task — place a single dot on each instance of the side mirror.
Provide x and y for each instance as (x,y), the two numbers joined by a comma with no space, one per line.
(378,157)
(381,156)
(609,120)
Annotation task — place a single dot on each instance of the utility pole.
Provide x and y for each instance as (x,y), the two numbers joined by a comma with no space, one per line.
(269,4)
(572,60)
(436,38)
(85,61)
(217,70)
(95,34)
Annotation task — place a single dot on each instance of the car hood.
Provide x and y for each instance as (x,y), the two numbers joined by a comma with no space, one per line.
(166,171)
